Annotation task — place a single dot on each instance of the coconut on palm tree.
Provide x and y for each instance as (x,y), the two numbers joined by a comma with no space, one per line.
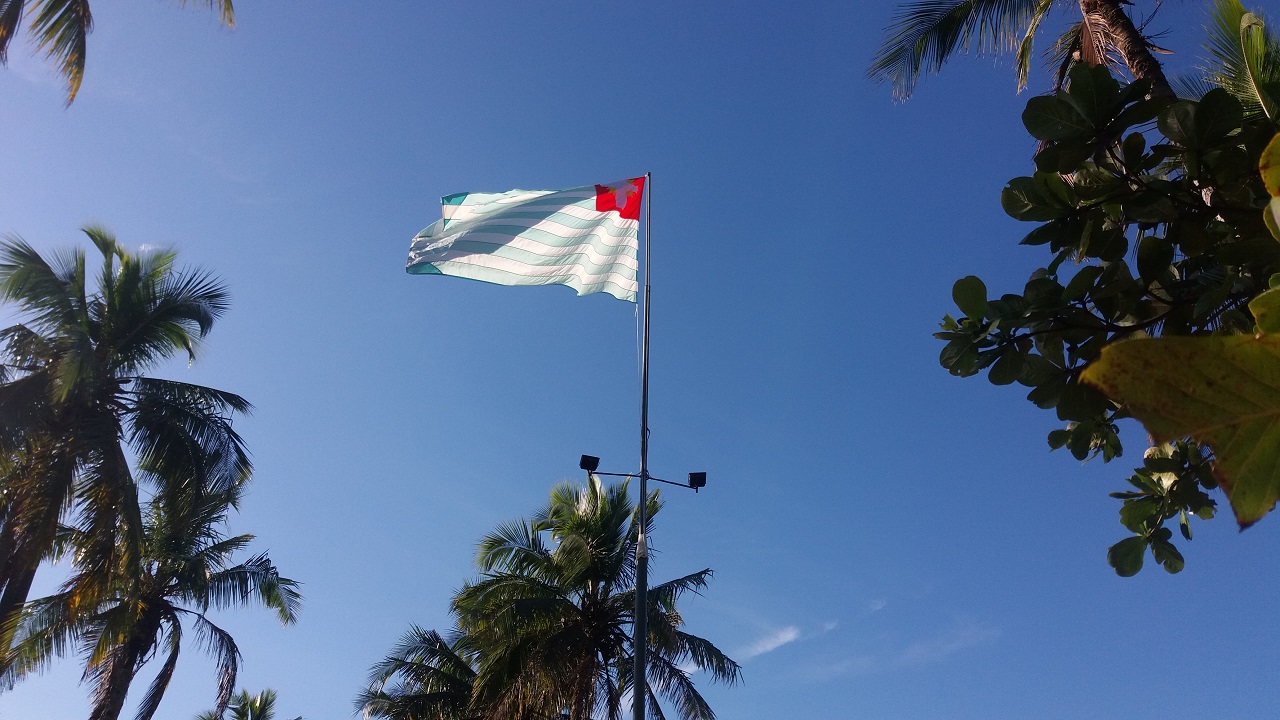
(75,396)
(926,33)
(61,31)
(551,615)
(186,569)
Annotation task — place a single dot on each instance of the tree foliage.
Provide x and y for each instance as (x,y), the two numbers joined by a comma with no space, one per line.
(1150,209)
(925,34)
(546,628)
(186,569)
(60,29)
(244,706)
(76,401)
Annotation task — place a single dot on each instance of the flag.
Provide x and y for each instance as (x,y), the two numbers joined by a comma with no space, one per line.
(584,237)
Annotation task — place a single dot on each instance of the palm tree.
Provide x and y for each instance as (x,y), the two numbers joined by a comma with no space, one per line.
(247,707)
(74,394)
(1244,60)
(552,622)
(926,33)
(426,677)
(186,569)
(61,29)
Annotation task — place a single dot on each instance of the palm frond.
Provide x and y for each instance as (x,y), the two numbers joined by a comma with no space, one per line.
(516,546)
(222,646)
(51,293)
(923,35)
(256,579)
(675,685)
(48,630)
(1244,59)
(151,701)
(184,430)
(226,13)
(10,18)
(159,311)
(62,30)
(1023,56)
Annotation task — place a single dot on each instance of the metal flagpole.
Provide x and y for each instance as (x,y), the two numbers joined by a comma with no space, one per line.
(640,642)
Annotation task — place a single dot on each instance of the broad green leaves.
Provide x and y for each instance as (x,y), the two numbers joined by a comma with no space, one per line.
(1148,209)
(1269,167)
(970,295)
(1223,391)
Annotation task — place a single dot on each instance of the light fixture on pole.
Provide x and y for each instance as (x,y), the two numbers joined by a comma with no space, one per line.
(696,479)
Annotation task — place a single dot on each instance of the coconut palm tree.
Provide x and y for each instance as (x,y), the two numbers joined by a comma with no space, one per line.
(74,395)
(247,707)
(926,33)
(61,31)
(551,622)
(186,569)
(1243,59)
(426,677)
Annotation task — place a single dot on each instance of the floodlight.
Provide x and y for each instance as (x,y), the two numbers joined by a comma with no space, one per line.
(697,480)
(589,463)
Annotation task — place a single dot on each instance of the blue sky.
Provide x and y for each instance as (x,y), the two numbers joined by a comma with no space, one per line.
(888,541)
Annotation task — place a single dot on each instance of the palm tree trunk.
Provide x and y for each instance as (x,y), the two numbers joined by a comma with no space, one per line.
(16,588)
(1132,46)
(113,685)
(32,527)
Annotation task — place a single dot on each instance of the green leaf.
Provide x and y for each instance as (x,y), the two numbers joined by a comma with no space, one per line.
(1133,148)
(1064,157)
(1178,123)
(1126,556)
(959,357)
(1046,396)
(1223,391)
(1266,311)
(1155,254)
(1269,166)
(1081,403)
(1217,115)
(1165,553)
(1007,368)
(1080,285)
(1051,118)
(1135,514)
(1022,200)
(1093,92)
(970,295)
(1056,234)
(1037,371)
(1058,438)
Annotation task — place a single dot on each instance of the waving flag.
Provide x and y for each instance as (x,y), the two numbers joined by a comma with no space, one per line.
(584,237)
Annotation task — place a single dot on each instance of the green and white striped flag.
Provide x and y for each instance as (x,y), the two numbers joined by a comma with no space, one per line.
(584,237)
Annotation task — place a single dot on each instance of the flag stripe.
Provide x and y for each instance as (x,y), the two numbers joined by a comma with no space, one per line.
(533,253)
(503,271)
(572,237)
(565,225)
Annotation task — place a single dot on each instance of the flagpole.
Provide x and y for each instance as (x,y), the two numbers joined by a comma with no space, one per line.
(641,640)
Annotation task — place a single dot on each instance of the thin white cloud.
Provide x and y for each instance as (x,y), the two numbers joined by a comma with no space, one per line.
(771,642)
(828,627)
(963,635)
(876,605)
